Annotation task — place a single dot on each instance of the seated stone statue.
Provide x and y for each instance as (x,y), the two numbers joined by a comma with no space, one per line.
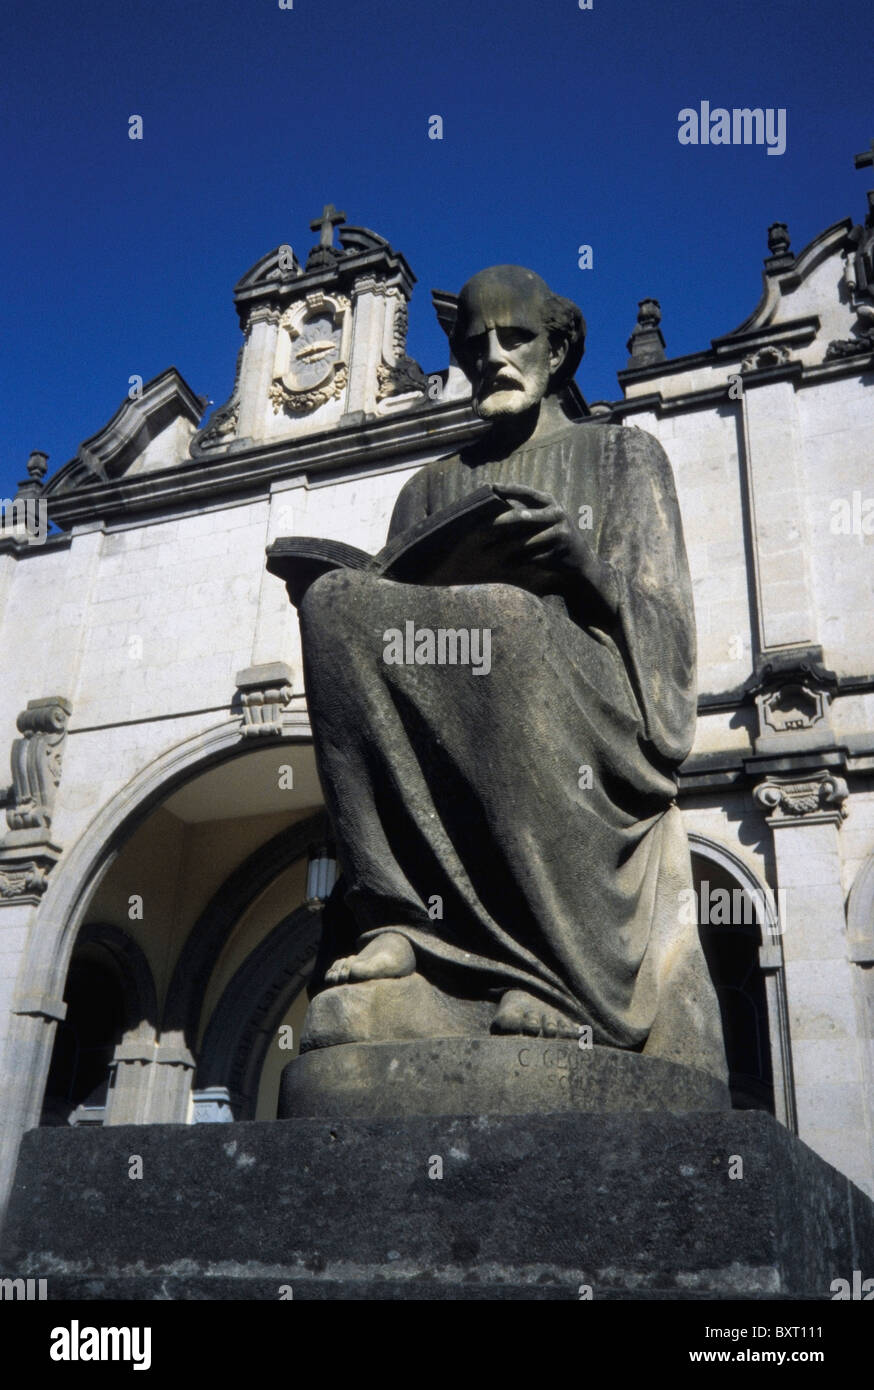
(508,838)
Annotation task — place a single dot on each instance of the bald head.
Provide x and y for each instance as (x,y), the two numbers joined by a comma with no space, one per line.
(515,339)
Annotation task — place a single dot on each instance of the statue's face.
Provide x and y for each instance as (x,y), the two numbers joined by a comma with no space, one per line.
(504,348)
(509,367)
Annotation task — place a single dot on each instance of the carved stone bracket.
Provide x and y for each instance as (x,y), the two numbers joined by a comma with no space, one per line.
(264,692)
(36,763)
(819,799)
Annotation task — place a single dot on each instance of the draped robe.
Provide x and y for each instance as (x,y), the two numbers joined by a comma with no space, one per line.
(535,803)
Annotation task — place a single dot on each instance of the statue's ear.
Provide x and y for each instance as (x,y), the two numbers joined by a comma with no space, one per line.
(558,349)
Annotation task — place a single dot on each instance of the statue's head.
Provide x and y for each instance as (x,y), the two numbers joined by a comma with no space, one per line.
(515,340)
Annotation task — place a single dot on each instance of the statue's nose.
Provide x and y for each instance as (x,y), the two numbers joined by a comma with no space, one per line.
(494,352)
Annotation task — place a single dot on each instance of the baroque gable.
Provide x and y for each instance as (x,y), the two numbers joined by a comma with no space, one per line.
(815,316)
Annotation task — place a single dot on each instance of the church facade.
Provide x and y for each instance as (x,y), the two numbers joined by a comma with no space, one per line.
(166,854)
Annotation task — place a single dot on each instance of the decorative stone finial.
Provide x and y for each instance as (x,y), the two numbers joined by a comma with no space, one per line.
(37,465)
(649,313)
(646,343)
(778,239)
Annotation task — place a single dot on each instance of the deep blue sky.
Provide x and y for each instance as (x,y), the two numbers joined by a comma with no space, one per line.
(560,128)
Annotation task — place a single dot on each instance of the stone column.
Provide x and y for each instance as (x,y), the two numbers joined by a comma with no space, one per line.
(24,1062)
(827,1029)
(256,373)
(127,1102)
(172,1077)
(368,322)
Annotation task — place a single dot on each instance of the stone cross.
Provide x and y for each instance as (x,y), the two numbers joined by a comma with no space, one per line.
(866,158)
(329,218)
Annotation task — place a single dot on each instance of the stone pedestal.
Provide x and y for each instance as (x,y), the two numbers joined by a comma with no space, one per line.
(489,1075)
(626,1206)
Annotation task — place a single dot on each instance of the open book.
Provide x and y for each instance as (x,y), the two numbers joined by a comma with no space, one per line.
(440,549)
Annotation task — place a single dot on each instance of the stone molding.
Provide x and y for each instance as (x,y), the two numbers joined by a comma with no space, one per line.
(26,859)
(44,1006)
(860,916)
(819,799)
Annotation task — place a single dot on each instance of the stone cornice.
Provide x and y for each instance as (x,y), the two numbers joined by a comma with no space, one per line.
(794,332)
(800,374)
(251,469)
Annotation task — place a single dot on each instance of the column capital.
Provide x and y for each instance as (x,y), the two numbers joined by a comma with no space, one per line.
(816,799)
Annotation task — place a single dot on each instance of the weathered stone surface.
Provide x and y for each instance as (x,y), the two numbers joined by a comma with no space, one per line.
(498,1076)
(469,854)
(631,1205)
(382,1010)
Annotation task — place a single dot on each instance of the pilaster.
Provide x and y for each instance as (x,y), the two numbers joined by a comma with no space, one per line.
(827,1028)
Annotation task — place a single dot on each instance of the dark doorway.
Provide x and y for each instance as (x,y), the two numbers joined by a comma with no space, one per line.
(731,933)
(86,1039)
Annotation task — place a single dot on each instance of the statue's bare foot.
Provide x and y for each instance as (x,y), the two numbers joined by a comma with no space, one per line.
(388,957)
(519,1012)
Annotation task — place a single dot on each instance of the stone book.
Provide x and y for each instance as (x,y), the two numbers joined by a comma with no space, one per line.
(441,549)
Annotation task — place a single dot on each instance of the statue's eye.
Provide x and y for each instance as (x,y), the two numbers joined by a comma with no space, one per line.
(514,337)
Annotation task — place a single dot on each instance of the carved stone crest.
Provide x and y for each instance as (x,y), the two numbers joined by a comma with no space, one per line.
(312,354)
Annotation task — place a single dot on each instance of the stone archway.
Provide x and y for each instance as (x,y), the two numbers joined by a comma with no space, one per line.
(244,1023)
(39,1001)
(745,955)
(111,968)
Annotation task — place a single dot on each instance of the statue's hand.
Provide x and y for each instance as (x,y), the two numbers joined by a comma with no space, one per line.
(537,531)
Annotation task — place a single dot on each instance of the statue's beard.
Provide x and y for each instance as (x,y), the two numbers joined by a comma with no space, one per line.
(509,397)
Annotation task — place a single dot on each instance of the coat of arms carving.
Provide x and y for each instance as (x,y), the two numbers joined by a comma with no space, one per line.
(312,354)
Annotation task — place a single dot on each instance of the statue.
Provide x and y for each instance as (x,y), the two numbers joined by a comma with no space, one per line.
(506,826)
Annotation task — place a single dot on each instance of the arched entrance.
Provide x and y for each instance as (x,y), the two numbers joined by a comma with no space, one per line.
(740,935)
(190,870)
